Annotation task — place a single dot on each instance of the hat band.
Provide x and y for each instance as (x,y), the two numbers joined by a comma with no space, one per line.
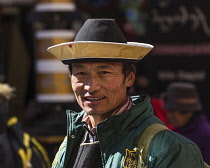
(175,106)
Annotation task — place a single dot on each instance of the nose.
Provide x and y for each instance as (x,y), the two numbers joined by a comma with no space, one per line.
(92,84)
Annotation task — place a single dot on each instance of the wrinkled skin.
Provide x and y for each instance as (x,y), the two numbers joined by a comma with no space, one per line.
(100,88)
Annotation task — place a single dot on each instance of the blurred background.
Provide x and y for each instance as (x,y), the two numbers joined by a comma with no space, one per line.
(179,30)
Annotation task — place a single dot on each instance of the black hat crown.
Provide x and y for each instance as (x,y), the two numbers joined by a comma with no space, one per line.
(105,30)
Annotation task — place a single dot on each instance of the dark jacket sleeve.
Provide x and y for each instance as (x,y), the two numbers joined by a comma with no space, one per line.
(171,150)
(183,156)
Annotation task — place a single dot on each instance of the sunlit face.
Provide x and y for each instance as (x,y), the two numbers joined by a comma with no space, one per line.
(178,119)
(100,88)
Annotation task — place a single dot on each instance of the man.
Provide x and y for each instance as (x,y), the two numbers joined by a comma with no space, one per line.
(17,148)
(185,114)
(106,132)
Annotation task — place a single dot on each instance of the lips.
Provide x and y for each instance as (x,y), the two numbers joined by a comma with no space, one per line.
(94,98)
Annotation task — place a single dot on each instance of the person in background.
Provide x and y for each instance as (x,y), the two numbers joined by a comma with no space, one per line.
(17,148)
(106,133)
(185,114)
(142,86)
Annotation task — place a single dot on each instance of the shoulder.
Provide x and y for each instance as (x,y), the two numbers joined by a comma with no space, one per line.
(168,147)
(170,140)
(60,155)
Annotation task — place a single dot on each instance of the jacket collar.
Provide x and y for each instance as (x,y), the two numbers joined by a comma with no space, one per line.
(131,118)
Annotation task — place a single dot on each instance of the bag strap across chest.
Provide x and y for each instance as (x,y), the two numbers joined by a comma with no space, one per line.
(145,139)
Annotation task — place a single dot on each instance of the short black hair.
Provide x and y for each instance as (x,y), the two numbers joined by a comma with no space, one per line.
(128,68)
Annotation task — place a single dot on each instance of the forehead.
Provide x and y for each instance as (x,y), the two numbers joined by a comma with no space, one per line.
(98,65)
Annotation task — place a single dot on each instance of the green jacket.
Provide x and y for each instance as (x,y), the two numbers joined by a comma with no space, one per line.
(118,136)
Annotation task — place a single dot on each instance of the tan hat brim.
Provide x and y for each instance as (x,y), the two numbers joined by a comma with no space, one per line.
(92,49)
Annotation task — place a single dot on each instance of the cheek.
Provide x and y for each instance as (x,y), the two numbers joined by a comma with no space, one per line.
(172,117)
(74,83)
(73,80)
(117,90)
(179,119)
(114,85)
(77,88)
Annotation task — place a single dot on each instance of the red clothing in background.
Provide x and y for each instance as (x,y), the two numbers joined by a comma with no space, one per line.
(159,111)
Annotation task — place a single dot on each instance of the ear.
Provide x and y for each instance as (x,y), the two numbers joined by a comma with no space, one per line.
(130,79)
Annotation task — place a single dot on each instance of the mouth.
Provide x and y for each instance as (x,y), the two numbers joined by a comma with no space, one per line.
(94,99)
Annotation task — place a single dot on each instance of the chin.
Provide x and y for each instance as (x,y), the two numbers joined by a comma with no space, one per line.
(89,111)
(95,112)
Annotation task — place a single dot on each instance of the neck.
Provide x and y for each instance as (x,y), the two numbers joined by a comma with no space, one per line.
(96,119)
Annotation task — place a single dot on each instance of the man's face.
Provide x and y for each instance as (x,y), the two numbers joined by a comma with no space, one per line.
(100,88)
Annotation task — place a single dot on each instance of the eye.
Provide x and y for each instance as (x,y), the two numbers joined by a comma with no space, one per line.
(104,72)
(80,74)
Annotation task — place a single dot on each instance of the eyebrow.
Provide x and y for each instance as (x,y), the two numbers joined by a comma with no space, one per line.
(99,66)
(104,66)
(77,66)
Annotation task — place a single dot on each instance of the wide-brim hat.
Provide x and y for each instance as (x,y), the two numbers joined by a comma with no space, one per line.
(100,40)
